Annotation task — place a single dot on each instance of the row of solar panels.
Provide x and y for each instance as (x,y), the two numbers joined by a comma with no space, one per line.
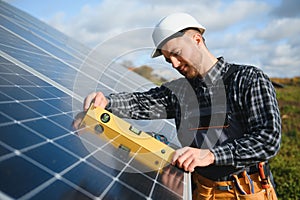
(42,85)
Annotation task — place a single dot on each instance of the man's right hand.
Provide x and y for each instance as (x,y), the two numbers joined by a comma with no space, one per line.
(97,98)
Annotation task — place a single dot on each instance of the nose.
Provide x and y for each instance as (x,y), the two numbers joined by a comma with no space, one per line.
(175,62)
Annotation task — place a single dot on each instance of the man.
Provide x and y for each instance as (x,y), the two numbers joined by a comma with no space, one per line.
(228,112)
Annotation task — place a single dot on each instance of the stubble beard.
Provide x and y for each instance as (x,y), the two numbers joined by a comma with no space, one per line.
(192,73)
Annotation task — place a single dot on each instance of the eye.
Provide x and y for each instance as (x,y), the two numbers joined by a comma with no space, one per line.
(176,53)
(168,60)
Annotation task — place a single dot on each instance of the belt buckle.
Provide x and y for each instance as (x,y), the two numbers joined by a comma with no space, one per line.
(224,188)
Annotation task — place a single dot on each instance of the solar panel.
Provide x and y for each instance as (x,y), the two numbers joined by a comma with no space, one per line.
(42,156)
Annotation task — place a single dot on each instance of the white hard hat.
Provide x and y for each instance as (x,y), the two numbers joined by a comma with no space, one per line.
(170,25)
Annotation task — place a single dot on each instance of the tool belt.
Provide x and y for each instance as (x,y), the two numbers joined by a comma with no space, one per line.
(242,187)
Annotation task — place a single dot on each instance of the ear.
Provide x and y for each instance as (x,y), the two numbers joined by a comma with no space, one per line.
(197,37)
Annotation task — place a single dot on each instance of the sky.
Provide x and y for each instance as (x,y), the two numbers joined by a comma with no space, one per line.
(263,33)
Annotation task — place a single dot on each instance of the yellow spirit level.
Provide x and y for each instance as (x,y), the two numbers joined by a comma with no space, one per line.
(121,134)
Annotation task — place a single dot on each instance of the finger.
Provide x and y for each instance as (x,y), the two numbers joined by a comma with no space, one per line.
(100,100)
(192,165)
(177,154)
(165,177)
(187,163)
(175,157)
(76,124)
(189,159)
(184,160)
(88,100)
(171,179)
(77,120)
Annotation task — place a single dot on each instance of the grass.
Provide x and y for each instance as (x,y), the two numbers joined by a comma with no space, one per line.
(285,166)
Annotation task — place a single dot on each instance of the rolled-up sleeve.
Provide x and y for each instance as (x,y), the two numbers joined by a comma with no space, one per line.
(153,104)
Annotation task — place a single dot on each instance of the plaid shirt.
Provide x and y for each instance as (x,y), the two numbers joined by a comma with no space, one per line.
(249,93)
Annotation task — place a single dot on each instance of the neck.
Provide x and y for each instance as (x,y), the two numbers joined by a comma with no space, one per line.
(207,62)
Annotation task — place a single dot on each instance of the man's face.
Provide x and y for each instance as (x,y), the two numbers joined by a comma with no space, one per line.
(183,54)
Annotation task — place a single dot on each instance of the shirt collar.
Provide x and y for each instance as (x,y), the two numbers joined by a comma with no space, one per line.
(216,72)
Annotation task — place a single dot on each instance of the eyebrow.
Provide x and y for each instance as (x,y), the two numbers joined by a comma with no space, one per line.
(168,54)
(171,52)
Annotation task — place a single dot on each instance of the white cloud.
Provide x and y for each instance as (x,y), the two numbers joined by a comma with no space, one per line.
(58,21)
(96,23)
(282,28)
(285,56)
(243,31)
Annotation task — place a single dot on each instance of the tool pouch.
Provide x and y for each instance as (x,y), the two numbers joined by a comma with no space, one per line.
(206,189)
(258,196)
(270,194)
(201,191)
(264,194)
(259,192)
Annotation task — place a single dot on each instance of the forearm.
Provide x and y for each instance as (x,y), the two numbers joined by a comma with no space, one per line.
(152,104)
(247,151)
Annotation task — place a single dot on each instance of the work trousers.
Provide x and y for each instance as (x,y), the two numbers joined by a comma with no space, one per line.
(206,189)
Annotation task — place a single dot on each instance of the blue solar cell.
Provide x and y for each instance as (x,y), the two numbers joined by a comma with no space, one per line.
(13,68)
(17,94)
(4,82)
(35,39)
(40,92)
(94,181)
(46,128)
(76,145)
(133,177)
(8,45)
(44,31)
(61,190)
(4,97)
(63,120)
(161,193)
(101,166)
(18,176)
(41,62)
(3,151)
(18,137)
(52,157)
(4,67)
(172,179)
(42,107)
(120,190)
(58,93)
(18,111)
(15,79)
(60,104)
(4,119)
